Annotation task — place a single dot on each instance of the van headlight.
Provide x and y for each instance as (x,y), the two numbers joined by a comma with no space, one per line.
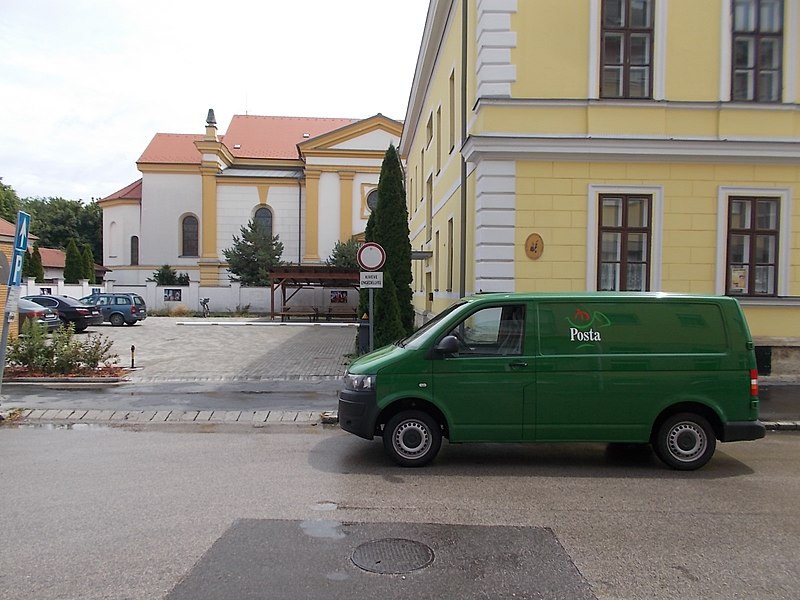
(359,383)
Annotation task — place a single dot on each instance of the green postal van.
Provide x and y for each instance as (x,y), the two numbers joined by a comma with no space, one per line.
(676,371)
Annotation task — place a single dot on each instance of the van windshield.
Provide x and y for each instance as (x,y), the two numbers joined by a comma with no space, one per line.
(421,335)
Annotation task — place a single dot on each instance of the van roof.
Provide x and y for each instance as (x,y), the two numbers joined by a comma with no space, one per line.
(511,296)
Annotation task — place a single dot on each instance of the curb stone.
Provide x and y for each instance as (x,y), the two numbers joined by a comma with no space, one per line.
(257,418)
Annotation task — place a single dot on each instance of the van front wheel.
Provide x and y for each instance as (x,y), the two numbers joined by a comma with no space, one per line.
(412,438)
(685,441)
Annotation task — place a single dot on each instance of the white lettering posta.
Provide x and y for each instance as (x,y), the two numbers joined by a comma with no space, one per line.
(576,335)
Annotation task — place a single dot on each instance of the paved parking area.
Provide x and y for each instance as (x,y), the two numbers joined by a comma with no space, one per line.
(195,349)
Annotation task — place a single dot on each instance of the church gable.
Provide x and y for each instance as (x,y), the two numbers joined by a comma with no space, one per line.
(369,135)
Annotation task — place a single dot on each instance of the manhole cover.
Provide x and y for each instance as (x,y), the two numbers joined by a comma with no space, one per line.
(392,556)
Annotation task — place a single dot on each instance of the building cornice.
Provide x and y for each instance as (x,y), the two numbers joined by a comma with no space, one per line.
(630,149)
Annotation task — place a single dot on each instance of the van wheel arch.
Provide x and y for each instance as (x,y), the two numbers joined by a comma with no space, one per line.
(689,407)
(685,438)
(412,404)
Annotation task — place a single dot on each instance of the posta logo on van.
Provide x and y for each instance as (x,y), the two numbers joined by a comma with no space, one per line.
(585,328)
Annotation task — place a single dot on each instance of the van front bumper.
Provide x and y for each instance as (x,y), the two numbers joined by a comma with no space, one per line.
(358,412)
(737,431)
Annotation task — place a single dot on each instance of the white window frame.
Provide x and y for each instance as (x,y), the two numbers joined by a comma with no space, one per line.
(784,196)
(592,222)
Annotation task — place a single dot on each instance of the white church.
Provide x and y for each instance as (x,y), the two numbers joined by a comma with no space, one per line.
(311,181)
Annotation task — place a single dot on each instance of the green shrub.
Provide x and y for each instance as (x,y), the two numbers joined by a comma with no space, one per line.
(62,354)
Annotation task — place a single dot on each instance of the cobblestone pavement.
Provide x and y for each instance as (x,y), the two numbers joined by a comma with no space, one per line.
(181,349)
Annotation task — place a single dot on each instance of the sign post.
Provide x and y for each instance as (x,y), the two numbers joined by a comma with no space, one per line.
(14,281)
(371,257)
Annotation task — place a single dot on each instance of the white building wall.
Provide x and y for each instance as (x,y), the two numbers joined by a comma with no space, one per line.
(372,140)
(283,200)
(119,224)
(166,198)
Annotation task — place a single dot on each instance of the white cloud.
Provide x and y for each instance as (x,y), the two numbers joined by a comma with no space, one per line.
(85,84)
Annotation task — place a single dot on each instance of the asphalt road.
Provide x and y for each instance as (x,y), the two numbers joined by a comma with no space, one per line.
(112,514)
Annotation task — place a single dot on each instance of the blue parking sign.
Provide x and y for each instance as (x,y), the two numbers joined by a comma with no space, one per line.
(20,248)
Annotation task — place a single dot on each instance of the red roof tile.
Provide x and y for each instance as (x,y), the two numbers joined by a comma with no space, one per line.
(53,258)
(275,137)
(133,190)
(248,136)
(172,148)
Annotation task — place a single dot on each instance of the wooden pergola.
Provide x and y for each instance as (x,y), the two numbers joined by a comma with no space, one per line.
(296,278)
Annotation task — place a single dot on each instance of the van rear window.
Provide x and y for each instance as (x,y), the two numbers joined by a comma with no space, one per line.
(630,328)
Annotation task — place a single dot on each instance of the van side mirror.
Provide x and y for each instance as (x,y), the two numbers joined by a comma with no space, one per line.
(448,345)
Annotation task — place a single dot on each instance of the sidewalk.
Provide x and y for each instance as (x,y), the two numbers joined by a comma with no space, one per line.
(203,350)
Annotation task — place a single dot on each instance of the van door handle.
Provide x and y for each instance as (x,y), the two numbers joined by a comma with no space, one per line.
(518,364)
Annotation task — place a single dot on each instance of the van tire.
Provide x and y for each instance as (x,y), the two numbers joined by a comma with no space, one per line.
(412,438)
(685,441)
(117,320)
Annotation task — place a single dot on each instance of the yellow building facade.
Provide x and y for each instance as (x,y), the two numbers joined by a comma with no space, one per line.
(583,145)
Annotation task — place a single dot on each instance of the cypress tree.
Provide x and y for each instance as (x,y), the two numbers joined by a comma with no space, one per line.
(388,325)
(73,263)
(390,229)
(88,264)
(37,268)
(27,265)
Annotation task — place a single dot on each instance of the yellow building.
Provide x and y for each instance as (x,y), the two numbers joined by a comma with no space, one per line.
(609,145)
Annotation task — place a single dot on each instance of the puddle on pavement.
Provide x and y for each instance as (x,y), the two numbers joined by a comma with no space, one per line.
(323,529)
(61,426)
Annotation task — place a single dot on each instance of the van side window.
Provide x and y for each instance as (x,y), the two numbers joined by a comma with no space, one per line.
(494,331)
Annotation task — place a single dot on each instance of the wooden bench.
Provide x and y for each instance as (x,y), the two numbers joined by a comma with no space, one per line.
(309,312)
(342,312)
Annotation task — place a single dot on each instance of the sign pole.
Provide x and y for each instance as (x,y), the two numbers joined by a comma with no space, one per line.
(371,319)
(14,281)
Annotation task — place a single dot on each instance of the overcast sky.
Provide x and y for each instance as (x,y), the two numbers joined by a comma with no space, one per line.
(85,84)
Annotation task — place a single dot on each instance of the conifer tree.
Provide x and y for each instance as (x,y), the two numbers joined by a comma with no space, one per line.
(390,230)
(388,325)
(253,255)
(73,263)
(37,268)
(88,264)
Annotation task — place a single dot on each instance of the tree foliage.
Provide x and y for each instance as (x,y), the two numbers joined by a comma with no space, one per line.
(166,275)
(56,221)
(9,203)
(388,324)
(253,255)
(88,264)
(388,226)
(73,264)
(34,267)
(344,255)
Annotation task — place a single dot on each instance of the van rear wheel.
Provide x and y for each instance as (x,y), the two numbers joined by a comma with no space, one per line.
(412,438)
(685,441)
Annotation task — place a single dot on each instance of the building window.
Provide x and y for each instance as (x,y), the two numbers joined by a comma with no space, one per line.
(757,50)
(753,246)
(189,236)
(263,217)
(372,200)
(452,108)
(625,226)
(450,255)
(627,49)
(134,250)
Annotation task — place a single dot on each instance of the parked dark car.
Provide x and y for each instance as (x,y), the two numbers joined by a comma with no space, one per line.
(119,308)
(44,315)
(70,310)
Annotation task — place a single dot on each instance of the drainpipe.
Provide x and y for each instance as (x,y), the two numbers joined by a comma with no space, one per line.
(463,266)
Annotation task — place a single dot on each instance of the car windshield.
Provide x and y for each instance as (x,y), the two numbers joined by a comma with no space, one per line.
(421,335)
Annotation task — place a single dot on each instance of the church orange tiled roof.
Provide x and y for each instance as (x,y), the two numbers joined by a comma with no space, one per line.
(248,136)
